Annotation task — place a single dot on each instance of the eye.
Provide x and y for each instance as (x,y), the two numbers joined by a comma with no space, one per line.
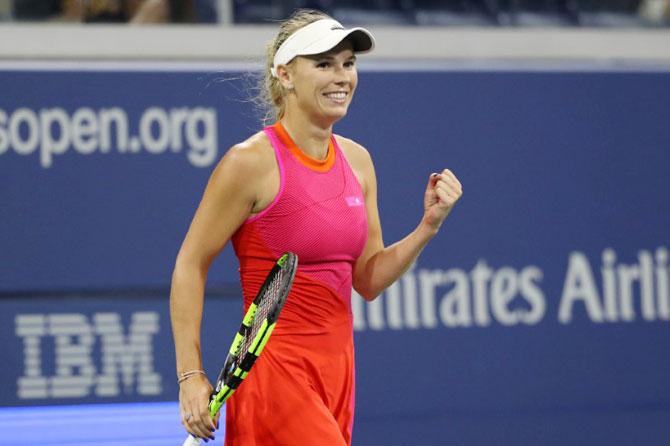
(323,64)
(349,63)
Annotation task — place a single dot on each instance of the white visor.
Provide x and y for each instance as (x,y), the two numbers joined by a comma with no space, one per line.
(319,37)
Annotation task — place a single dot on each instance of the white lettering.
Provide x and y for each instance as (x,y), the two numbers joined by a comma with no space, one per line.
(117,117)
(4,137)
(54,131)
(411,307)
(504,287)
(74,365)
(480,276)
(158,144)
(178,118)
(127,355)
(394,310)
(51,146)
(647,286)
(509,297)
(663,284)
(376,314)
(611,307)
(455,308)
(125,358)
(31,328)
(579,286)
(203,146)
(627,275)
(29,118)
(85,131)
(428,281)
(533,295)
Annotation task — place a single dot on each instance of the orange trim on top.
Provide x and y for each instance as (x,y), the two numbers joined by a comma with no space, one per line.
(306,160)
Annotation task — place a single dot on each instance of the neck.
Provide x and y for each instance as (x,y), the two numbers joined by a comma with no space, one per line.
(311,138)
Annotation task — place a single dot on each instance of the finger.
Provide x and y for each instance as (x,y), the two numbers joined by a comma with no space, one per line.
(449,177)
(196,425)
(191,428)
(449,187)
(189,424)
(443,196)
(446,173)
(186,419)
(446,183)
(205,423)
(210,422)
(452,193)
(203,426)
(453,196)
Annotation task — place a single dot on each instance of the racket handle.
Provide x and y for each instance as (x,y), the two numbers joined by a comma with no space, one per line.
(191,441)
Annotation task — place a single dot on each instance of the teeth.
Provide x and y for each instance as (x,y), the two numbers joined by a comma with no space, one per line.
(338,95)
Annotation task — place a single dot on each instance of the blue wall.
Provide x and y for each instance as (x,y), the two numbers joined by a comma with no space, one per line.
(538,316)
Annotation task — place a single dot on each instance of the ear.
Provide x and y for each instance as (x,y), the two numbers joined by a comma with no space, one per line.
(285,77)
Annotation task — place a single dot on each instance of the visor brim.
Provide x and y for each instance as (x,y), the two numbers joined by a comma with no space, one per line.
(360,38)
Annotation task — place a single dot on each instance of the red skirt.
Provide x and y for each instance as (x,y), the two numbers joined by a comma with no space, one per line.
(300,392)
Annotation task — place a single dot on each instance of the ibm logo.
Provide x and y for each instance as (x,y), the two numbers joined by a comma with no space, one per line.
(125,358)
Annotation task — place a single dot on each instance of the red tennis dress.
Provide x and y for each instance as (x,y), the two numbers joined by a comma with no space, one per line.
(301,390)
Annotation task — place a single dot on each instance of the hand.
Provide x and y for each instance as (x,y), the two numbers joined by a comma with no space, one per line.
(194,396)
(442,193)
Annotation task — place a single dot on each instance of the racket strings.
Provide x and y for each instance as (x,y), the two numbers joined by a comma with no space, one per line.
(267,303)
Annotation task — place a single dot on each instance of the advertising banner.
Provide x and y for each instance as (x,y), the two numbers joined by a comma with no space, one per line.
(538,315)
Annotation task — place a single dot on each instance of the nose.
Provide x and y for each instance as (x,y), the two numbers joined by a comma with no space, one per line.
(341,76)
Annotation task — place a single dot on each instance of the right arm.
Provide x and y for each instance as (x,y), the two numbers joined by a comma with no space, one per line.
(227,202)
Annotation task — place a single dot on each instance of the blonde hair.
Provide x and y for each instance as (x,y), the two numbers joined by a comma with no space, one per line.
(271,92)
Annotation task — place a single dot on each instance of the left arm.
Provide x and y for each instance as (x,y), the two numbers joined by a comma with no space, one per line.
(378,266)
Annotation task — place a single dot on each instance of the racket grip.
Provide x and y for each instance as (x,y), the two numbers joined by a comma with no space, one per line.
(191,441)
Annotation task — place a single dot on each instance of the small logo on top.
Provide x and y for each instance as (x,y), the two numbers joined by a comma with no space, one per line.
(354,201)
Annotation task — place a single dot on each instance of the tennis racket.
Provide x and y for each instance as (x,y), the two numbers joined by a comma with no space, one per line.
(257,326)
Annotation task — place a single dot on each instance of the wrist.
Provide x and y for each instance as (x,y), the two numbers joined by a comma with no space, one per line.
(183,376)
(427,229)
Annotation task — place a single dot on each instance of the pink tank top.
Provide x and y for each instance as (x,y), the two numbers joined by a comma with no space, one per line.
(319,214)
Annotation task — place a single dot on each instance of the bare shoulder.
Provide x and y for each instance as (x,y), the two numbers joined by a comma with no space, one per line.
(249,168)
(360,162)
(252,159)
(357,155)
(252,155)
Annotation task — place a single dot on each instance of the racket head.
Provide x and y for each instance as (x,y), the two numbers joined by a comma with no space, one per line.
(257,325)
(273,293)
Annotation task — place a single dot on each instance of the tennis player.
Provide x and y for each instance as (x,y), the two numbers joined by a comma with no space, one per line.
(296,186)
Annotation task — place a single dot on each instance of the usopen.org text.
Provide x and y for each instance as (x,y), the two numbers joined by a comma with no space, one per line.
(51,132)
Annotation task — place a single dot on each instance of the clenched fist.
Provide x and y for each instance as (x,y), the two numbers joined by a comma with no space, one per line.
(442,193)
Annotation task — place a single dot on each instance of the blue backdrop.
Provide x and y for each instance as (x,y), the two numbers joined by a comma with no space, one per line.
(539,314)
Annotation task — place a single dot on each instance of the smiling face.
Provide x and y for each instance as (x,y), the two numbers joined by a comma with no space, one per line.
(324,84)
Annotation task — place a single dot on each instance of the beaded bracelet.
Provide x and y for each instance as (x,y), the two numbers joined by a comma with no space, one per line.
(183,376)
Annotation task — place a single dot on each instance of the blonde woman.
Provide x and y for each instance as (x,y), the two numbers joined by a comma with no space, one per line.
(296,186)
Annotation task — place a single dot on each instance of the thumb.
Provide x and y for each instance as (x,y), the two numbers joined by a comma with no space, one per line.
(433,179)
